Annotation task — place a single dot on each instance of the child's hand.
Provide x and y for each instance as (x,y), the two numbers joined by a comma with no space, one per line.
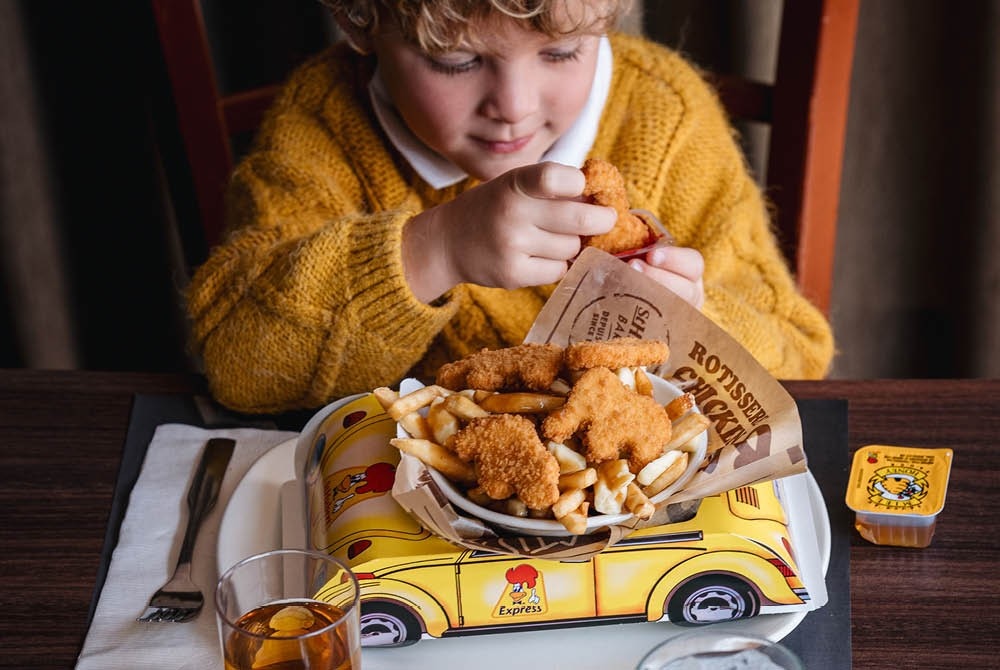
(680,269)
(517,230)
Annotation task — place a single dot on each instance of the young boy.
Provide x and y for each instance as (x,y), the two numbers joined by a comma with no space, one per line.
(413,196)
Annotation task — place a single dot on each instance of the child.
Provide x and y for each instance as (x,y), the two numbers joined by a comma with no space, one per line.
(414,194)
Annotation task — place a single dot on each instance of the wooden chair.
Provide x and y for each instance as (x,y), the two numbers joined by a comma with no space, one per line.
(806,107)
(211,117)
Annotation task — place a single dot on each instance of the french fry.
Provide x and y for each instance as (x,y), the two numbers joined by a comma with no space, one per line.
(435,456)
(615,474)
(680,406)
(686,429)
(668,476)
(575,521)
(655,467)
(385,396)
(643,385)
(637,503)
(568,501)
(611,487)
(560,387)
(464,408)
(514,506)
(415,425)
(442,423)
(569,459)
(521,403)
(580,479)
(477,495)
(417,400)
(627,377)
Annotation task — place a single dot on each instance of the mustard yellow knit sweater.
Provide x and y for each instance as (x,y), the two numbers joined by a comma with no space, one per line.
(305,301)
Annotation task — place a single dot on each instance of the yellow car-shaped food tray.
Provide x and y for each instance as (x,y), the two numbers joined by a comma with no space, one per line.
(733,559)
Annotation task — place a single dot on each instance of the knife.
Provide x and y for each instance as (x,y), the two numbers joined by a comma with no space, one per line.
(204,490)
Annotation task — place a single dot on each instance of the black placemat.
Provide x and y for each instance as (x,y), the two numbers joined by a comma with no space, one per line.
(822,640)
(148,412)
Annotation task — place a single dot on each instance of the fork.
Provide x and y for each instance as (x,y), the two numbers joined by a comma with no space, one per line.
(180,599)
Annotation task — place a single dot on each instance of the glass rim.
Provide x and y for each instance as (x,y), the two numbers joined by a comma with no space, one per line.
(305,553)
(723,634)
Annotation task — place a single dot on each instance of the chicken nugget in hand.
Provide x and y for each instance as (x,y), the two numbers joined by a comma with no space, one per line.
(605,186)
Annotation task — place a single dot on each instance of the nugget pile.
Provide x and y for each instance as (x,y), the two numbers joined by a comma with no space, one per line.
(550,432)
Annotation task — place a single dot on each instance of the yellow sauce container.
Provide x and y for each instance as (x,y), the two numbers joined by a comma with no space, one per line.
(897,492)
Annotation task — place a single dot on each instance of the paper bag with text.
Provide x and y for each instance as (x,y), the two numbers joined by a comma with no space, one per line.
(756,431)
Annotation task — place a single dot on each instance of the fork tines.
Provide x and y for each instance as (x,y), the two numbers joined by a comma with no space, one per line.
(168,614)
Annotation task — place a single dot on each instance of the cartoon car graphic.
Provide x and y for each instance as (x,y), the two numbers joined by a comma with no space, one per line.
(733,559)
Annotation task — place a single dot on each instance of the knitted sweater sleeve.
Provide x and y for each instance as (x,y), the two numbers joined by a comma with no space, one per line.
(707,197)
(306,300)
(749,290)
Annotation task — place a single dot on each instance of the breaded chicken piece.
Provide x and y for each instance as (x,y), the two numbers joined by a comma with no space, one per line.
(622,352)
(526,366)
(615,421)
(510,459)
(606,186)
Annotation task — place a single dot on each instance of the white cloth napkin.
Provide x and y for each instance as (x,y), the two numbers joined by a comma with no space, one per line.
(148,544)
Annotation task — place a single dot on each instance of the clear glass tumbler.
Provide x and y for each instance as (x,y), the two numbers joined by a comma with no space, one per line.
(290,610)
(719,650)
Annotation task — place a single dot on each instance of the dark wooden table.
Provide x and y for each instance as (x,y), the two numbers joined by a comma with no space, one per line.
(61,438)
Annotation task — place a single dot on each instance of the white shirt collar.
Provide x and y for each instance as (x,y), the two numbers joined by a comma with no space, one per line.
(570,149)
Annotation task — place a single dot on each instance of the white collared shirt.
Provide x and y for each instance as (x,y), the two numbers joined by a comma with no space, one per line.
(571,148)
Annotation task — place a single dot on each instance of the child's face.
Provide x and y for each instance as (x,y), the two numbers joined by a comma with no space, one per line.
(494,106)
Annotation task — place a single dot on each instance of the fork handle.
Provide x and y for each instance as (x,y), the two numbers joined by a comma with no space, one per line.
(204,490)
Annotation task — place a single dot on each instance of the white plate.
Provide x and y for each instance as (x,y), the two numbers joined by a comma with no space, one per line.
(252,523)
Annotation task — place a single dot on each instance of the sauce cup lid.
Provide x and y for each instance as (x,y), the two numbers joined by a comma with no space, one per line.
(898,480)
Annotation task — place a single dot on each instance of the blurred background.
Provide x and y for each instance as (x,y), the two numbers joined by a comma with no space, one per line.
(92,268)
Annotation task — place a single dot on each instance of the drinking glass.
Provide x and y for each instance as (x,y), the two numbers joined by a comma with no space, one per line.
(289,609)
(719,650)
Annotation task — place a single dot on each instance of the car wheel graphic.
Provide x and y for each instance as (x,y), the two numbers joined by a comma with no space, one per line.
(712,598)
(387,625)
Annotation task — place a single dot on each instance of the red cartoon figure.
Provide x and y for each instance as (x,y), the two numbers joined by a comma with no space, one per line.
(519,577)
(375,479)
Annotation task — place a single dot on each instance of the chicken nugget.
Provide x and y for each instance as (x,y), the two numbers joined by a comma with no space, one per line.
(606,186)
(510,459)
(615,422)
(526,366)
(622,352)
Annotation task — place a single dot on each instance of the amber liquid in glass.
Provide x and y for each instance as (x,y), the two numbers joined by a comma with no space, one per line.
(277,641)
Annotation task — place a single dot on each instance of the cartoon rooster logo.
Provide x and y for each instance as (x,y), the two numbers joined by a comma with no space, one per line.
(520,577)
(376,479)
(523,594)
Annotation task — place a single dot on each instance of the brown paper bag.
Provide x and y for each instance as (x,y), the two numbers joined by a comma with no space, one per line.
(756,430)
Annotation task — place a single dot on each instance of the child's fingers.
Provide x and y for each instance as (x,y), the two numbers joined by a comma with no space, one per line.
(547,180)
(691,291)
(556,246)
(566,217)
(542,271)
(683,261)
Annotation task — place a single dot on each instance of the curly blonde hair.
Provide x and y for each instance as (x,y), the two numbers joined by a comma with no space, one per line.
(438,26)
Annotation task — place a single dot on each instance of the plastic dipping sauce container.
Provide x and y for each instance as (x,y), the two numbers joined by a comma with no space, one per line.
(897,492)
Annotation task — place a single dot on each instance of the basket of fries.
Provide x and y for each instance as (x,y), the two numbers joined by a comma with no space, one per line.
(543,440)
